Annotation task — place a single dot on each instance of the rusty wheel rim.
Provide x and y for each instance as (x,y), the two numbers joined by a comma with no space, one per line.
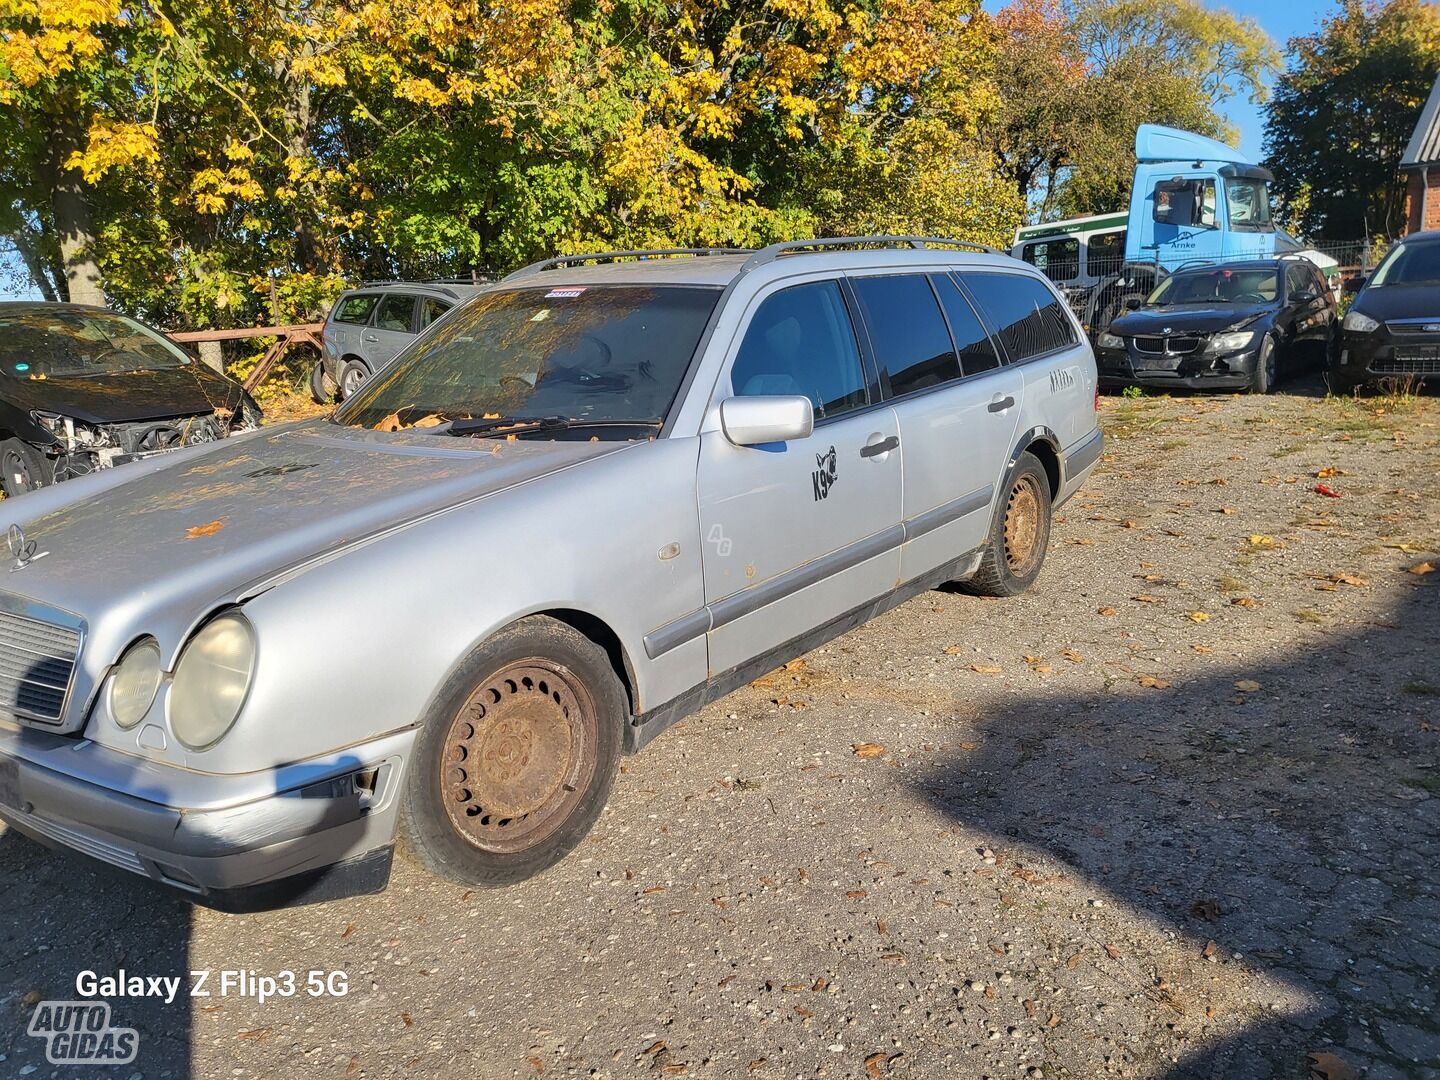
(518,756)
(1022,527)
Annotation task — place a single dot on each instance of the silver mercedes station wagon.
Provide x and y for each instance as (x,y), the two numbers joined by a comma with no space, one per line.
(599,495)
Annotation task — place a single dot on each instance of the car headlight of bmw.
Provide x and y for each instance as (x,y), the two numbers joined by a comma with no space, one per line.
(1360,322)
(211,680)
(1108,340)
(135,682)
(1232,341)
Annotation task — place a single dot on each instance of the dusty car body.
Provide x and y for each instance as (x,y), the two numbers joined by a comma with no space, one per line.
(83,389)
(668,564)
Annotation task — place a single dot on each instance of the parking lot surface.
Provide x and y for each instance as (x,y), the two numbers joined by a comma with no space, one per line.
(1175,813)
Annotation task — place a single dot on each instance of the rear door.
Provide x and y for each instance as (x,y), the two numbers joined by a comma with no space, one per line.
(956,404)
(1038,336)
(798,533)
(349,321)
(391,328)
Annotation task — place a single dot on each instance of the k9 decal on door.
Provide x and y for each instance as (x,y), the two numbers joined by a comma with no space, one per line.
(826,471)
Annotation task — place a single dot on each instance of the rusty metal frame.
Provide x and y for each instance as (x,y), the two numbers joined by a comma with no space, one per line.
(285,336)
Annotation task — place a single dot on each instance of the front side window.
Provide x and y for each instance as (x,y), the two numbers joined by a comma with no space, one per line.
(395,313)
(1299,283)
(907,331)
(1057,259)
(1189,204)
(602,353)
(801,341)
(53,342)
(1028,317)
(356,309)
(1249,204)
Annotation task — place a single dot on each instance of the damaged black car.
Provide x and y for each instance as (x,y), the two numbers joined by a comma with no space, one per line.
(83,389)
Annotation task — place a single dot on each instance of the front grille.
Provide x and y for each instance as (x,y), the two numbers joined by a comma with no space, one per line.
(1423,333)
(1171,346)
(1414,361)
(84,843)
(37,662)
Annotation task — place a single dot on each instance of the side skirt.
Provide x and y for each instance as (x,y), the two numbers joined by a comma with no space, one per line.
(643,728)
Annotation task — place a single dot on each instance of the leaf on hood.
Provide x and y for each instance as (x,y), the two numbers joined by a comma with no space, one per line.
(210,529)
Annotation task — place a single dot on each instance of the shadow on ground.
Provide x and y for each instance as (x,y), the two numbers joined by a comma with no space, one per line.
(1297,824)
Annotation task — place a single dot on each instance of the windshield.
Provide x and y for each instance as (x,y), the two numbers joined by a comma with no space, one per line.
(1249,202)
(1408,264)
(596,353)
(1257,286)
(53,343)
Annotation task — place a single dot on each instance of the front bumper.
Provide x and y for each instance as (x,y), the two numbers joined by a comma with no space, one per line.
(1356,358)
(1119,368)
(327,837)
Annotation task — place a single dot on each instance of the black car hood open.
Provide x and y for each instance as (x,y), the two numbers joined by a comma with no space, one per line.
(1399,302)
(135,395)
(1185,319)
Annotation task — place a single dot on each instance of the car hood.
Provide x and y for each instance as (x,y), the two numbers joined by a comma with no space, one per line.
(176,534)
(1185,319)
(132,395)
(1399,302)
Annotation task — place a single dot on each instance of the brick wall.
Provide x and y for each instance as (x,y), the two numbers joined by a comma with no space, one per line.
(1414,202)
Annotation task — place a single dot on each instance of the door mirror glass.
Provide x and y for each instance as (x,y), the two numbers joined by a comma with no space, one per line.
(752,421)
(1132,303)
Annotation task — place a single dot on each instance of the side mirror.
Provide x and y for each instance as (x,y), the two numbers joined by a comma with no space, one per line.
(1354,284)
(752,421)
(1132,303)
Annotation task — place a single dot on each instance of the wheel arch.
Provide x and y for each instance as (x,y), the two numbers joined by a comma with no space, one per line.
(1045,445)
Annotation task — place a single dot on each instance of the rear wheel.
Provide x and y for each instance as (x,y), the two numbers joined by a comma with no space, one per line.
(352,374)
(322,386)
(23,468)
(516,760)
(1019,536)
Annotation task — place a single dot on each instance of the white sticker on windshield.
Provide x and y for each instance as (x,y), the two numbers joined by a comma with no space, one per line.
(563,294)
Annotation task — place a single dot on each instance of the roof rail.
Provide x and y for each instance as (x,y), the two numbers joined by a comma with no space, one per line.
(615,256)
(796,247)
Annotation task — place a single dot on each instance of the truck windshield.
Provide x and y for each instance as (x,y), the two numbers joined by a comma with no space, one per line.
(1217,287)
(596,353)
(1408,264)
(55,343)
(1249,203)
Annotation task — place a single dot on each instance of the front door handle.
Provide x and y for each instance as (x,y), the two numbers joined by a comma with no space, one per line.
(884,446)
(1001,404)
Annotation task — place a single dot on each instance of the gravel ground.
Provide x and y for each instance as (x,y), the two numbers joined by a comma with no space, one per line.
(1174,814)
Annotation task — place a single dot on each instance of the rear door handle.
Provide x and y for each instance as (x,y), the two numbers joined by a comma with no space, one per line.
(371,337)
(884,446)
(1001,404)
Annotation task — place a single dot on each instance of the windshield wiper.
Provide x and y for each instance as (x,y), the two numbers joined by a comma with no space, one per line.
(524,425)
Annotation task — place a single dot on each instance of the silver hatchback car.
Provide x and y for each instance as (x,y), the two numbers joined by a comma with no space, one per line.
(605,492)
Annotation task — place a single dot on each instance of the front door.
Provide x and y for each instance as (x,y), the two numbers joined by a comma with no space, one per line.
(796,534)
(390,330)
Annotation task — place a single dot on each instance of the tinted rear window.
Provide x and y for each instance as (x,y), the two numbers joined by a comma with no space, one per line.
(1028,318)
(977,352)
(907,331)
(356,309)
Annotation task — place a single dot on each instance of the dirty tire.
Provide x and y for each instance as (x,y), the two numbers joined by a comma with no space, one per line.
(1015,550)
(352,374)
(322,386)
(22,468)
(1266,372)
(515,760)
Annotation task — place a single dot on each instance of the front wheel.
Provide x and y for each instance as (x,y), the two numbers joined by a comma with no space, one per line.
(23,468)
(515,762)
(1266,370)
(1015,550)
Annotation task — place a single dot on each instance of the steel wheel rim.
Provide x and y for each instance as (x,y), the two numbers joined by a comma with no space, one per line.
(17,471)
(1022,526)
(518,756)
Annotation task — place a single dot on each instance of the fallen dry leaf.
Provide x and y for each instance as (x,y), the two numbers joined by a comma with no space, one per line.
(867,749)
(1146,598)
(1209,950)
(953,650)
(536,1064)
(1247,685)
(1350,579)
(1260,540)
(1198,616)
(1112,952)
(1071,655)
(1328,492)
(1327,1066)
(873,1063)
(210,529)
(987,669)
(1245,602)
(1105,611)
(1152,682)
(1423,568)
(1329,471)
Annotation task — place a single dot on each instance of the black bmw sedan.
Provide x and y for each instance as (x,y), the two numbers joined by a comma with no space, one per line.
(82,388)
(1392,329)
(1221,326)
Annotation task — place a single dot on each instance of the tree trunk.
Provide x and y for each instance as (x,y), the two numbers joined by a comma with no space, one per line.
(72,221)
(28,243)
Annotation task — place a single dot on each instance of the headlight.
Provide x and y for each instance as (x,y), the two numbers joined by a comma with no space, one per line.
(134,683)
(71,432)
(211,680)
(1360,322)
(1232,342)
(1108,340)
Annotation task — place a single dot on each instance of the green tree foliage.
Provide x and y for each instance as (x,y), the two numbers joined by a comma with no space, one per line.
(1343,112)
(1076,79)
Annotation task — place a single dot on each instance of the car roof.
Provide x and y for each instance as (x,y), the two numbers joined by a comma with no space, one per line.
(20,307)
(454,290)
